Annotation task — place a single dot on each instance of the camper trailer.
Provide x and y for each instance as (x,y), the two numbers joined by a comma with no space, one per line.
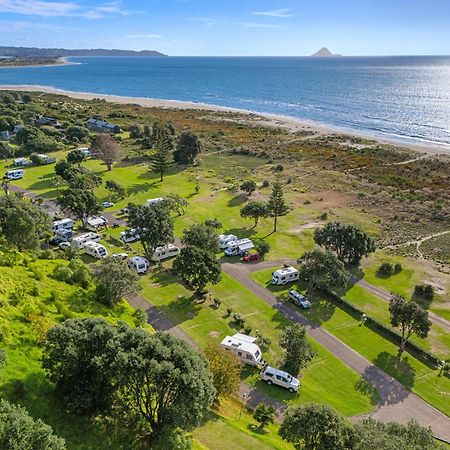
(14,174)
(62,235)
(237,248)
(244,348)
(139,264)
(63,224)
(285,275)
(129,236)
(79,241)
(225,239)
(166,251)
(154,201)
(97,222)
(95,249)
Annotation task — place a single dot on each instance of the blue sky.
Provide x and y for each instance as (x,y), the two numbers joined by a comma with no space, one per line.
(231,27)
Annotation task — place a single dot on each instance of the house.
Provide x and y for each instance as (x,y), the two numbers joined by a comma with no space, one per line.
(47,121)
(20,162)
(5,135)
(102,126)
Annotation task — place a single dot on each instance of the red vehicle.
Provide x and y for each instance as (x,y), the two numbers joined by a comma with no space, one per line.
(251,257)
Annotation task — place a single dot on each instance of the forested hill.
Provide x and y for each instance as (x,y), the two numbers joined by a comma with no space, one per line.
(34,52)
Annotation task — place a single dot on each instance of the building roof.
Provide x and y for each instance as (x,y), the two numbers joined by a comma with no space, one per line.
(286,270)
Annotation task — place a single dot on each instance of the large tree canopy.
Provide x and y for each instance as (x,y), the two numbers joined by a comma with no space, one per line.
(79,202)
(348,242)
(188,147)
(106,149)
(201,236)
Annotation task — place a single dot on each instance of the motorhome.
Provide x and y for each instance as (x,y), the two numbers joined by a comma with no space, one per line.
(14,174)
(166,251)
(129,236)
(63,235)
(244,348)
(224,239)
(20,162)
(95,249)
(63,224)
(79,241)
(285,275)
(236,248)
(97,222)
(154,201)
(139,264)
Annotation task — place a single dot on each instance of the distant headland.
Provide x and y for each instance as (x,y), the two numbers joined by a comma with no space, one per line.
(324,52)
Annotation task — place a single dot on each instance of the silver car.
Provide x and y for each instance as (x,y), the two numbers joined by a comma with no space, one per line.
(275,376)
(299,299)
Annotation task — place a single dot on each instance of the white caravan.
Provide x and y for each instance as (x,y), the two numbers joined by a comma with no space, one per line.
(244,348)
(78,241)
(95,249)
(139,264)
(14,174)
(63,224)
(63,235)
(129,236)
(154,201)
(224,239)
(96,222)
(166,251)
(85,151)
(285,275)
(235,248)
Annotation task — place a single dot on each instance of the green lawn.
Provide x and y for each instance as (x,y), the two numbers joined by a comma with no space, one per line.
(414,374)
(327,380)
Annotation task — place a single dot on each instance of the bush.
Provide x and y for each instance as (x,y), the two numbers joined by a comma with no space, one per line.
(63,273)
(262,247)
(398,268)
(238,320)
(425,291)
(386,268)
(229,311)
(47,254)
(247,330)
(279,168)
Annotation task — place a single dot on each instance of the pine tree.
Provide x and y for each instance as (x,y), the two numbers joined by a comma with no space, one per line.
(276,206)
(161,158)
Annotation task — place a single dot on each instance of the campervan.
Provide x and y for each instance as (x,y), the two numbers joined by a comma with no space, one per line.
(139,264)
(95,249)
(224,239)
(78,241)
(14,174)
(85,150)
(244,348)
(63,235)
(285,275)
(154,201)
(129,236)
(236,248)
(63,224)
(166,251)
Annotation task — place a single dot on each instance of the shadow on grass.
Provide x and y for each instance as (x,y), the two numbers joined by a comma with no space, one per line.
(164,278)
(256,429)
(238,200)
(397,367)
(178,311)
(425,303)
(367,388)
(241,232)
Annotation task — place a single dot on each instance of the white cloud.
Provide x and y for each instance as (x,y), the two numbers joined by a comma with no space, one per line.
(282,12)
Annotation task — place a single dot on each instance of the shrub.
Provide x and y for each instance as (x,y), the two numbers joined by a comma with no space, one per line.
(386,268)
(266,183)
(398,268)
(63,273)
(425,291)
(262,247)
(19,389)
(247,330)
(217,302)
(47,254)
(262,341)
(238,320)
(279,168)
(229,311)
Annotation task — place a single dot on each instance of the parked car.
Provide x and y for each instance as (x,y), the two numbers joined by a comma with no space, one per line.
(251,257)
(275,376)
(64,245)
(299,299)
(120,256)
(107,204)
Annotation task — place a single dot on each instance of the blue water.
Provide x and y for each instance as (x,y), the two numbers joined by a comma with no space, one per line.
(403,98)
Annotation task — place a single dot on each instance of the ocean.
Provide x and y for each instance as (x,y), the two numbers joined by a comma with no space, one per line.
(405,98)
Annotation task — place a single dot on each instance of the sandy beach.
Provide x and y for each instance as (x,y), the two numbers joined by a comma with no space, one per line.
(263,119)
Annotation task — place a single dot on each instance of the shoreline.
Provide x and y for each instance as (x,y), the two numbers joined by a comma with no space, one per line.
(264,119)
(63,61)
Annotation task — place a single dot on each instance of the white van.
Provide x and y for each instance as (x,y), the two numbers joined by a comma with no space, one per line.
(285,275)
(224,239)
(14,174)
(166,251)
(275,376)
(95,249)
(63,224)
(153,201)
(244,348)
(139,264)
(129,236)
(236,248)
(78,241)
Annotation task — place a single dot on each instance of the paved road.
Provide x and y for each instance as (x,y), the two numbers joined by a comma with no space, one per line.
(396,402)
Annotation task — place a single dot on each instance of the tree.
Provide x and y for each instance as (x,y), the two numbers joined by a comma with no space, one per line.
(85,180)
(348,242)
(297,349)
(66,170)
(315,427)
(77,134)
(201,236)
(115,188)
(177,203)
(5,185)
(161,159)
(262,247)
(76,157)
(263,414)
(213,223)
(79,202)
(22,223)
(410,318)
(163,380)
(153,224)
(188,148)
(18,430)
(58,182)
(115,280)
(276,206)
(106,149)
(197,267)
(225,369)
(322,268)
(6,150)
(248,186)
(78,357)
(254,210)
